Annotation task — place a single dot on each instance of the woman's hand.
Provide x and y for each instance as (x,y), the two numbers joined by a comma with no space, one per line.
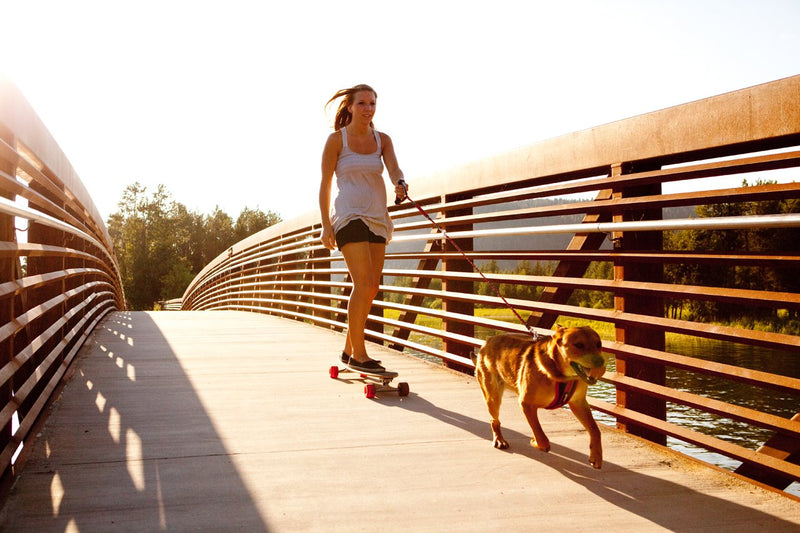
(400,191)
(328,239)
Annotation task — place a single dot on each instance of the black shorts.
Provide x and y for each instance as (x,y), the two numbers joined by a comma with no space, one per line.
(356,231)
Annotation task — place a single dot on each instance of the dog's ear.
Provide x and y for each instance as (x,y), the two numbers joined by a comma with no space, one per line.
(559,332)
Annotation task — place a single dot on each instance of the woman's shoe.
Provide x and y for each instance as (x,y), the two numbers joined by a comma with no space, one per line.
(345,359)
(369,367)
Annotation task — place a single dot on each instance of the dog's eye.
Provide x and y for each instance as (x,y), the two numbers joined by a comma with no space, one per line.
(599,345)
(579,345)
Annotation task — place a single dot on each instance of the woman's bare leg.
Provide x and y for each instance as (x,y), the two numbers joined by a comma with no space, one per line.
(365,264)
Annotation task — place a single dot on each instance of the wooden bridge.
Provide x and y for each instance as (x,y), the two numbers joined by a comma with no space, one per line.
(224,420)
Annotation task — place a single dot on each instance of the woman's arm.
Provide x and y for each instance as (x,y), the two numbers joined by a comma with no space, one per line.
(330,155)
(392,167)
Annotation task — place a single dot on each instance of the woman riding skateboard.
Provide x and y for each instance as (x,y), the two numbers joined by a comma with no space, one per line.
(358,223)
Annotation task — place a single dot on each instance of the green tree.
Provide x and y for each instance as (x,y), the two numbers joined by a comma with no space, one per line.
(218,234)
(591,298)
(174,282)
(735,275)
(161,246)
(188,237)
(252,221)
(128,231)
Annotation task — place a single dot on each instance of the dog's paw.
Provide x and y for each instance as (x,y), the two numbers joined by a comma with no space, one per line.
(543,446)
(500,444)
(596,455)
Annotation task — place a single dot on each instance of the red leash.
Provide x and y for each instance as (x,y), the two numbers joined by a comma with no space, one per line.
(441,230)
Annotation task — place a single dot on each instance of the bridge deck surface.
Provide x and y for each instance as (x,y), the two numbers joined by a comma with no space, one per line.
(221,421)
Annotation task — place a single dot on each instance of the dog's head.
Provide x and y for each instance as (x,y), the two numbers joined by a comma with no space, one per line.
(581,353)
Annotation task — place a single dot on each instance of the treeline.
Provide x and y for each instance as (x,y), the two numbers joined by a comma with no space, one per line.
(778,276)
(161,245)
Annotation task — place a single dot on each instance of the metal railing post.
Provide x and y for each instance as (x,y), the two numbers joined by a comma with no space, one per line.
(454,285)
(639,304)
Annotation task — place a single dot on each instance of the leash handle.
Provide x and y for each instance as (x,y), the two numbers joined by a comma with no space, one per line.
(397,199)
(494,287)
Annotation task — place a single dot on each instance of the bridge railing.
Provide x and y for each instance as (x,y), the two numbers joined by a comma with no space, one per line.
(170,305)
(58,273)
(596,211)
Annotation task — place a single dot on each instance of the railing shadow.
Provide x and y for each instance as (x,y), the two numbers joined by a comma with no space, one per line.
(649,497)
(139,445)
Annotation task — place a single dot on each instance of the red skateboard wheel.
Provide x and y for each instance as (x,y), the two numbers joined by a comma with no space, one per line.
(369,390)
(403,389)
(334,371)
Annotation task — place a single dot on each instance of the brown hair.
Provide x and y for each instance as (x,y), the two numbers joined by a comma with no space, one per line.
(343,116)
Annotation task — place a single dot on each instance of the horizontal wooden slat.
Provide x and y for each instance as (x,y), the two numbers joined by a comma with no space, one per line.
(12,209)
(785,384)
(33,314)
(10,288)
(12,187)
(751,416)
(705,441)
(667,257)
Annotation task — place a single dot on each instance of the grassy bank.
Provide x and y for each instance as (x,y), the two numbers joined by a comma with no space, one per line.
(605,329)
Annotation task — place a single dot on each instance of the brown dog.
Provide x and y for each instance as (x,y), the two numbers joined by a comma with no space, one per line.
(546,373)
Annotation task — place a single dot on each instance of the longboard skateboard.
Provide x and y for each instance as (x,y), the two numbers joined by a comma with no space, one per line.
(373,383)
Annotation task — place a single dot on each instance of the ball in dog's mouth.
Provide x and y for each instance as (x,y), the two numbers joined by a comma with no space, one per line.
(589,375)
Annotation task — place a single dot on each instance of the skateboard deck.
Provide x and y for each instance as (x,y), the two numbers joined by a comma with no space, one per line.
(373,383)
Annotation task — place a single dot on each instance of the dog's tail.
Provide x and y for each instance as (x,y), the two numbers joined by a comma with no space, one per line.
(475,353)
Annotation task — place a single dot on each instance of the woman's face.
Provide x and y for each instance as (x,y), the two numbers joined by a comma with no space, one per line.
(363,106)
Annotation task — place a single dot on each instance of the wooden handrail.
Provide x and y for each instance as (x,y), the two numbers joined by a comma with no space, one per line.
(56,283)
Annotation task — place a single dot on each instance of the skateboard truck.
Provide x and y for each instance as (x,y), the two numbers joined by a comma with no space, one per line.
(373,383)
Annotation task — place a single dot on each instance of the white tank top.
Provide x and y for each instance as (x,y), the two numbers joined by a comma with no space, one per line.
(361,190)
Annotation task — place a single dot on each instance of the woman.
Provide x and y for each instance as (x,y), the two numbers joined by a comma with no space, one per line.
(359,222)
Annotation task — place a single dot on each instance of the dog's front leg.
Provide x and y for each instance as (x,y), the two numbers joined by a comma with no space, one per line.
(583,413)
(539,440)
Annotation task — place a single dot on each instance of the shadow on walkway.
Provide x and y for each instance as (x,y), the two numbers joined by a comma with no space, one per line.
(657,500)
(133,444)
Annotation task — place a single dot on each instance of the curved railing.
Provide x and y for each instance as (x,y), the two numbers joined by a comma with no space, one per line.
(170,305)
(58,273)
(627,186)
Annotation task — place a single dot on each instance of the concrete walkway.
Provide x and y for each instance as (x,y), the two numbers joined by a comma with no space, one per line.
(227,421)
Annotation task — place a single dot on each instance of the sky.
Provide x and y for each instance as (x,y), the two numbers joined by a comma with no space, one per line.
(224,102)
